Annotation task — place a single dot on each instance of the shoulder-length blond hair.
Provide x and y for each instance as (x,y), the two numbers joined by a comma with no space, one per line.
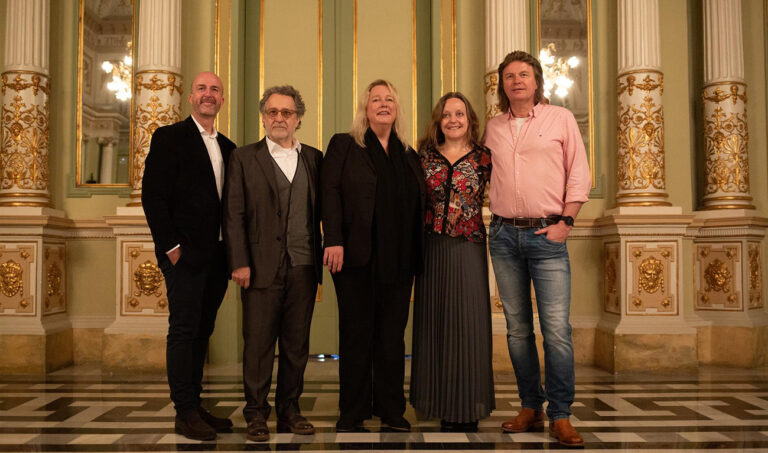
(360,124)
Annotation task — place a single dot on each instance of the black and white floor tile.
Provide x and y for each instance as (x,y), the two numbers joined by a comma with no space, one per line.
(80,409)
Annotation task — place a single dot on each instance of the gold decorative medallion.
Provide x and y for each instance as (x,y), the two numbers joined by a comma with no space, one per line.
(157,84)
(11,281)
(653,271)
(718,277)
(148,280)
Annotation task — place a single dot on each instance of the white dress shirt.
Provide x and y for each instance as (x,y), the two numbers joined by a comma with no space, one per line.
(286,158)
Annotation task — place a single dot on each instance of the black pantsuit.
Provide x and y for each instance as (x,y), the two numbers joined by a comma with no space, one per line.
(373,206)
(372,319)
(283,309)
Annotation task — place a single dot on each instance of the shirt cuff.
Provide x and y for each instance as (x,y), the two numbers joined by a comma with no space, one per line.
(169,251)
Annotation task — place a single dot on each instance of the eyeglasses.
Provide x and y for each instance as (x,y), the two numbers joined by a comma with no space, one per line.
(287,114)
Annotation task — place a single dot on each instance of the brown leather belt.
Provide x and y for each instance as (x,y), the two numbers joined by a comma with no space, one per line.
(529,222)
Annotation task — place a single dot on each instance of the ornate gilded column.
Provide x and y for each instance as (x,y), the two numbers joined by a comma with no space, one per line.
(506,30)
(725,108)
(640,84)
(25,90)
(728,275)
(158,81)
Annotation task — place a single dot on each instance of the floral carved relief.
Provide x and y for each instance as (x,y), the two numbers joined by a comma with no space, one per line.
(25,132)
(755,276)
(726,140)
(611,279)
(54,297)
(491,101)
(641,133)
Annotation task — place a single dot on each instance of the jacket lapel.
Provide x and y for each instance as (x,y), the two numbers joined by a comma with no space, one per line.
(200,153)
(265,162)
(311,174)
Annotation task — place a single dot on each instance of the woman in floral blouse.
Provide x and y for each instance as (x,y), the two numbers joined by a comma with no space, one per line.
(451,374)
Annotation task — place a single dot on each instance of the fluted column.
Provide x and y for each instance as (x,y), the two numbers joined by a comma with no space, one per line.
(158,83)
(725,108)
(25,90)
(640,84)
(506,30)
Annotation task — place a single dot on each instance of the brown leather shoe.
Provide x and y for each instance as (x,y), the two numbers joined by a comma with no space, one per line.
(257,430)
(526,420)
(565,433)
(296,424)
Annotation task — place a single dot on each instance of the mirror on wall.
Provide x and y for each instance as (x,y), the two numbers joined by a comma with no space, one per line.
(565,53)
(105,84)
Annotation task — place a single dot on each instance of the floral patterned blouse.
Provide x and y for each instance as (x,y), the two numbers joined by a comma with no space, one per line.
(455,193)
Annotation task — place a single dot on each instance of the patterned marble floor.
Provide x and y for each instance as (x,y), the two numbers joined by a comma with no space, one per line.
(79,409)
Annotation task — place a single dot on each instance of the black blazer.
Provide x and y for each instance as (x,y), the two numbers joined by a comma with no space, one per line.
(179,193)
(252,227)
(349,197)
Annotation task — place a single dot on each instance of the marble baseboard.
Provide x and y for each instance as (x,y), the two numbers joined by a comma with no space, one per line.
(733,346)
(645,352)
(136,353)
(35,354)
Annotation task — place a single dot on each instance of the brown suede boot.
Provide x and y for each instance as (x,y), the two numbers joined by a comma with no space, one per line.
(565,433)
(526,420)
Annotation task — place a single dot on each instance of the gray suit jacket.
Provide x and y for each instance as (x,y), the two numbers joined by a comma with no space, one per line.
(252,227)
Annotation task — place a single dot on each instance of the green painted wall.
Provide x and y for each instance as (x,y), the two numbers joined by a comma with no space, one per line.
(91,277)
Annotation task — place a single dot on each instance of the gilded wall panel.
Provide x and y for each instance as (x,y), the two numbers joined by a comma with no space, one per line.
(143,286)
(17,279)
(653,277)
(54,274)
(755,272)
(718,276)
(611,278)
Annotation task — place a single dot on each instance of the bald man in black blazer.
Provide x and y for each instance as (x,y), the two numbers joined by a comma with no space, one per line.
(181,195)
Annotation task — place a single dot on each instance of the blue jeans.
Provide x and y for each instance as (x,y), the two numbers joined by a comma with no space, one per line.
(519,257)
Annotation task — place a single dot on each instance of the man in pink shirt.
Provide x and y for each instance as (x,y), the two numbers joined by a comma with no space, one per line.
(539,181)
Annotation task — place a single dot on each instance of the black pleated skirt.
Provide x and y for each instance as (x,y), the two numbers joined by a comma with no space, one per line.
(451,370)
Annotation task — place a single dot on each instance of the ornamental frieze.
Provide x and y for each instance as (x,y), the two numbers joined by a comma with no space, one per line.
(755,276)
(54,289)
(611,279)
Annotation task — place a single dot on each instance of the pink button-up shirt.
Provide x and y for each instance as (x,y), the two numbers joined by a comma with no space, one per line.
(538,170)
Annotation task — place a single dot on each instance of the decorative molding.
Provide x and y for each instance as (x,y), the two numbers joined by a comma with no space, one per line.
(652,278)
(18,277)
(612,278)
(718,276)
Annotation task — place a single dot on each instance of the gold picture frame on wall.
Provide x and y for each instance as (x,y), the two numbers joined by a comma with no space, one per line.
(564,32)
(105,113)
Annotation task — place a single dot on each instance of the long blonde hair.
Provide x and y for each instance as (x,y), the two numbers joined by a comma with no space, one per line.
(360,124)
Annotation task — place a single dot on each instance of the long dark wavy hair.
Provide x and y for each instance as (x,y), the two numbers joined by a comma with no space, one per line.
(434,135)
(538,73)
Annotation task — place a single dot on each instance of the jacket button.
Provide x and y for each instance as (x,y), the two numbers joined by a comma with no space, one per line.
(278,238)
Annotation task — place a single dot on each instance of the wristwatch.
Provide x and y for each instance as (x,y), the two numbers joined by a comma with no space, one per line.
(567,219)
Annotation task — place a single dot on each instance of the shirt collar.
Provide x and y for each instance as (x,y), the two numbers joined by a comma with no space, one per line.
(532,114)
(202,130)
(274,148)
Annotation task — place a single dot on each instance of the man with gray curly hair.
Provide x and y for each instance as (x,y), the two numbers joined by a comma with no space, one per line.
(272,235)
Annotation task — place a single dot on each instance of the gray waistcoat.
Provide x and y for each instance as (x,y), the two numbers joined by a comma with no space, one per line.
(294,201)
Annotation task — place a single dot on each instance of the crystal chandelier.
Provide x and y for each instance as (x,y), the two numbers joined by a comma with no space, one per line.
(556,71)
(121,71)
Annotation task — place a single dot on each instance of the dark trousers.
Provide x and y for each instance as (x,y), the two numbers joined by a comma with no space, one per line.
(194,297)
(280,313)
(372,320)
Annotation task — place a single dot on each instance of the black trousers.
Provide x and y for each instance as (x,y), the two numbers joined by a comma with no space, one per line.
(372,320)
(280,313)
(194,297)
